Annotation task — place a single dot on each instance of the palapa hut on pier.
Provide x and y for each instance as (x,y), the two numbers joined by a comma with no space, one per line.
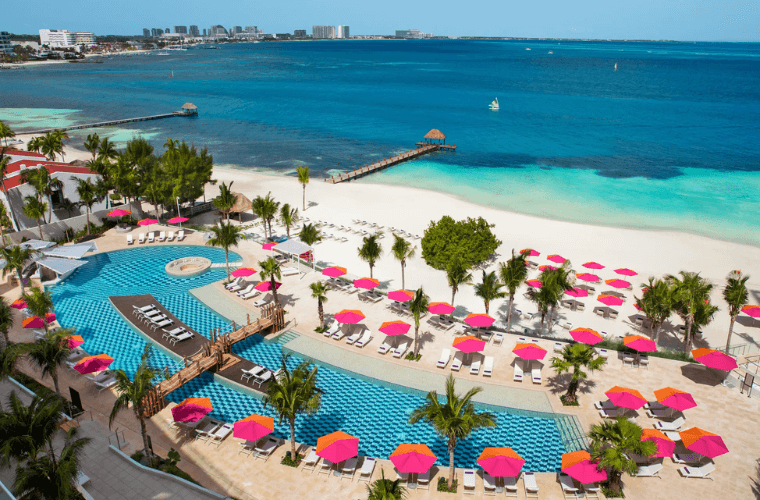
(190,109)
(434,135)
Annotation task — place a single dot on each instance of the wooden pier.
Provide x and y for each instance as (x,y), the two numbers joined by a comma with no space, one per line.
(188,109)
(200,354)
(423,147)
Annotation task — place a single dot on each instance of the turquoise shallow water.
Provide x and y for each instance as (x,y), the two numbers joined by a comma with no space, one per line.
(669,140)
(376,413)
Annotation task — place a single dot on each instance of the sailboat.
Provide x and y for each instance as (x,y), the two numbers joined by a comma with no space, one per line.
(172,75)
(494,104)
(615,66)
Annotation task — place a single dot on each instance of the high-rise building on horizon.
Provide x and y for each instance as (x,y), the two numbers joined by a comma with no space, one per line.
(57,38)
(5,43)
(342,32)
(156,32)
(217,30)
(167,30)
(299,34)
(204,31)
(146,33)
(181,29)
(236,30)
(194,30)
(323,32)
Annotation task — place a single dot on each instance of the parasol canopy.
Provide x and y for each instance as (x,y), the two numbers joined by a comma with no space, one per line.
(192,409)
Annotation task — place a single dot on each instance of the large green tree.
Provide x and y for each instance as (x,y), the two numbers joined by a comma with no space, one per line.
(16,259)
(470,241)
(690,293)
(574,358)
(309,234)
(402,250)
(303,178)
(188,170)
(736,296)
(225,236)
(266,207)
(6,133)
(513,273)
(288,217)
(39,302)
(44,185)
(612,443)
(91,144)
(35,209)
(556,282)
(25,429)
(226,199)
(4,162)
(88,196)
(49,353)
(454,418)
(270,269)
(370,251)
(293,393)
(656,303)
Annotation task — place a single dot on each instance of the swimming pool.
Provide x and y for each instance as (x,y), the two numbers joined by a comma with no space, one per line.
(375,412)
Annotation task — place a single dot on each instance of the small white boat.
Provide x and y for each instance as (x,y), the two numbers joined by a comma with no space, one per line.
(527,48)
(615,66)
(551,52)
(494,104)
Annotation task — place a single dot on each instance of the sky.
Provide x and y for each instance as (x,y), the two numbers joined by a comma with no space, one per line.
(690,20)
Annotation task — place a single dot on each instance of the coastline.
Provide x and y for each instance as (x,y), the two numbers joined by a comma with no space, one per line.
(64,61)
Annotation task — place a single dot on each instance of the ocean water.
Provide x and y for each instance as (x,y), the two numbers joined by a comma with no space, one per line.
(668,141)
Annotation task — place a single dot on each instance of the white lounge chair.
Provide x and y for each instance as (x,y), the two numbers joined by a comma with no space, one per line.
(353,338)
(234,283)
(475,368)
(349,467)
(687,458)
(331,331)
(170,236)
(105,384)
(591,490)
(489,484)
(488,366)
(535,372)
(568,487)
(181,235)
(161,324)
(173,339)
(368,467)
(510,486)
(253,372)
(218,435)
(384,348)
(456,365)
(675,425)
(130,240)
(613,412)
(141,238)
(423,480)
(401,350)
(260,303)
(162,236)
(698,472)
(204,433)
(531,486)
(498,339)
(264,452)
(246,447)
(366,338)
(253,293)
(664,413)
(445,357)
(260,379)
(468,482)
(151,237)
(339,334)
(311,461)
(604,405)
(519,373)
(245,290)
(649,471)
(289,271)
(326,467)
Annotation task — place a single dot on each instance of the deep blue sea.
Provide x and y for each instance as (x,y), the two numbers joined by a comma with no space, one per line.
(671,140)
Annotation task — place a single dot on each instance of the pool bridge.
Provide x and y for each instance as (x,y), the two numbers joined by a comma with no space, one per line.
(199,354)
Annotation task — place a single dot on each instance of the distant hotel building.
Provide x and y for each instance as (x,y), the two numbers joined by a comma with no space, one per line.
(65,38)
(299,34)
(217,30)
(194,30)
(323,32)
(5,43)
(146,33)
(343,32)
(181,29)
(156,32)
(412,34)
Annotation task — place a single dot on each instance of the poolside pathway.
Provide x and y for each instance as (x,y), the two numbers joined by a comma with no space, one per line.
(215,299)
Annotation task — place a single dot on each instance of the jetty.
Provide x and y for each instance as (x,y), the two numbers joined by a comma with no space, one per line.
(188,109)
(199,354)
(423,147)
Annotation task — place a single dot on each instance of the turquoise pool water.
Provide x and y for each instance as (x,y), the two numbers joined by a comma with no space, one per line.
(375,412)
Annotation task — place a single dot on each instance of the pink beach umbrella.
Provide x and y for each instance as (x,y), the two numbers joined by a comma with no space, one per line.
(269,246)
(665,445)
(618,283)
(534,283)
(547,267)
(501,462)
(393,328)
(639,343)
(626,272)
(593,278)
(366,283)
(147,222)
(556,258)
(36,321)
(334,271)
(349,316)
(192,409)
(703,442)
(626,398)
(533,253)
(579,466)
(469,344)
(479,320)
(119,212)
(610,300)
(529,351)
(253,427)
(177,220)
(19,304)
(337,446)
(401,295)
(92,364)
(266,286)
(75,341)
(586,336)
(673,398)
(440,308)
(412,458)
(593,265)
(750,310)
(713,358)
(243,272)
(577,292)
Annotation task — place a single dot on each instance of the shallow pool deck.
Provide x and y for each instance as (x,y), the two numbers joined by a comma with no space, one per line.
(420,380)
(215,299)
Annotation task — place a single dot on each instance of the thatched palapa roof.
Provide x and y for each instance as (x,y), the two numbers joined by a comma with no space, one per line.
(189,105)
(435,134)
(242,203)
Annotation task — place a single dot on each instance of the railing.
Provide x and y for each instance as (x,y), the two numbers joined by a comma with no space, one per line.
(741,349)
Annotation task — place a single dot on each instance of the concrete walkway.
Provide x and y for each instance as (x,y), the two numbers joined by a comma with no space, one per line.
(215,299)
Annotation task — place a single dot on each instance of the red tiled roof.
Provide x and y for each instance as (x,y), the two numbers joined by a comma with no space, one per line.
(30,154)
(53,167)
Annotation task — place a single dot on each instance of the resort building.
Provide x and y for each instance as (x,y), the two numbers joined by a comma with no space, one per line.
(181,29)
(299,34)
(5,43)
(342,32)
(156,32)
(323,32)
(146,33)
(57,38)
(84,37)
(194,30)
(217,31)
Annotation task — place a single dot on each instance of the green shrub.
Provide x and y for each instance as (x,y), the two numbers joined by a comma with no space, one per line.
(662,353)
(286,460)
(610,493)
(412,357)
(443,485)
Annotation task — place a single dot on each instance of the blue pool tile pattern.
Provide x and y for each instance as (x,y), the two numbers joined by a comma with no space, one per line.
(377,413)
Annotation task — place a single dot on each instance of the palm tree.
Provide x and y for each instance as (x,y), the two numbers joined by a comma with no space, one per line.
(35,209)
(288,217)
(134,393)
(26,429)
(51,144)
(736,296)
(6,320)
(418,306)
(7,133)
(45,185)
(226,199)
(4,222)
(557,282)
(303,178)
(690,290)
(457,275)
(88,196)
(50,352)
(62,136)
(318,291)
(294,393)
(34,144)
(489,289)
(402,250)
(453,420)
(107,151)
(656,303)
(371,250)
(92,144)
(39,302)
(16,259)
(612,444)
(270,269)
(225,236)
(309,234)
(386,489)
(3,172)
(576,357)
(513,274)
(266,208)
(543,298)
(48,477)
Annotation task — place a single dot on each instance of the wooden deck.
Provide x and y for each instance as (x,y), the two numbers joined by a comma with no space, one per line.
(422,149)
(112,122)
(199,353)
